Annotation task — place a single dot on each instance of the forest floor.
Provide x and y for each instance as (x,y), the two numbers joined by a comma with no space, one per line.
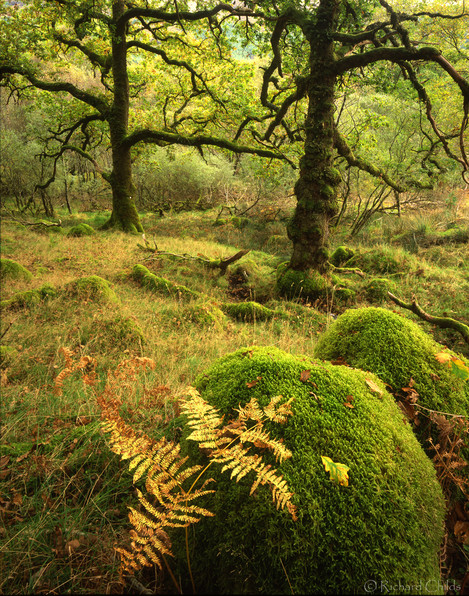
(64,496)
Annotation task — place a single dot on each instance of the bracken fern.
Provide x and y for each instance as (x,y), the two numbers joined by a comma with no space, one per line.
(169,481)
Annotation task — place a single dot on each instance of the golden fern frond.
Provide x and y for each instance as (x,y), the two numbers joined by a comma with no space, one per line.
(278,414)
(86,363)
(262,439)
(251,411)
(203,418)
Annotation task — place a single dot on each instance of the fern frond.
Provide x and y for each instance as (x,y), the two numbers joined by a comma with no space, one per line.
(251,411)
(259,437)
(281,413)
(203,418)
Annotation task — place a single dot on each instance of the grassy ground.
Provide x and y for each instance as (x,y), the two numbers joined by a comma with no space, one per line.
(64,496)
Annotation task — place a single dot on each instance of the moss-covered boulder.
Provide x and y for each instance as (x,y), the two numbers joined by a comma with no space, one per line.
(161,285)
(376,289)
(399,352)
(247,311)
(381,260)
(80,230)
(204,315)
(385,526)
(25,299)
(300,284)
(341,255)
(93,288)
(12,270)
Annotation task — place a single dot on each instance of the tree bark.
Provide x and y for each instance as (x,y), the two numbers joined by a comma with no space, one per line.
(124,213)
(316,188)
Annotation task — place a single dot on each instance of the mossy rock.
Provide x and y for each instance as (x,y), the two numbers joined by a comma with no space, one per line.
(259,275)
(48,291)
(377,289)
(346,296)
(378,260)
(240,222)
(399,352)
(118,333)
(93,288)
(161,285)
(81,229)
(341,255)
(12,270)
(25,299)
(248,312)
(386,525)
(204,315)
(300,284)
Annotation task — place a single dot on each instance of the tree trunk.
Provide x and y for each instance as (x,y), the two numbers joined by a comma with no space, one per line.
(316,188)
(124,213)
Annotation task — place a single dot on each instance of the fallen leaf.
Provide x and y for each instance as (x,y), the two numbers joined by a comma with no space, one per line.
(337,472)
(443,357)
(374,387)
(71,546)
(305,374)
(461,531)
(4,460)
(252,383)
(348,401)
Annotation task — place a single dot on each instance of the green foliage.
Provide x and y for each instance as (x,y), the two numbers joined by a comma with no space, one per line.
(93,288)
(12,270)
(399,352)
(79,230)
(392,491)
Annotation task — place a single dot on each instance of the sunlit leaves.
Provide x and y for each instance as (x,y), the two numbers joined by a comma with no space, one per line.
(338,472)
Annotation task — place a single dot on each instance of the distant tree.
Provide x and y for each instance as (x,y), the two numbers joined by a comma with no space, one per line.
(129,45)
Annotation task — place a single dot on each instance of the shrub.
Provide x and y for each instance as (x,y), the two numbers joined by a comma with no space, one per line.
(12,270)
(399,352)
(386,525)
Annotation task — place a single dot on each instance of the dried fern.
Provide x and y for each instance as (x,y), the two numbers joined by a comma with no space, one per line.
(169,482)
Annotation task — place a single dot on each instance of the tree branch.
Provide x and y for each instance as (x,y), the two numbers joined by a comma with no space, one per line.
(443,322)
(388,54)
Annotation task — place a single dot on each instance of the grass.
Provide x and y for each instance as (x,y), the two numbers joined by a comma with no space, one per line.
(64,496)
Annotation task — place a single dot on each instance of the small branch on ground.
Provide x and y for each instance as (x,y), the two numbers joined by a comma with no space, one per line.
(6,330)
(47,224)
(350,270)
(443,322)
(221,264)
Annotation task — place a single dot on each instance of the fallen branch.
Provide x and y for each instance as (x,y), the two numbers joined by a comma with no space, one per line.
(443,322)
(221,264)
(47,224)
(350,270)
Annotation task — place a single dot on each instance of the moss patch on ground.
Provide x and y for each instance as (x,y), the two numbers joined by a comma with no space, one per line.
(12,270)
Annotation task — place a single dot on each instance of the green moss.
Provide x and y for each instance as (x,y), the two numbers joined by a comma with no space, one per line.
(12,270)
(378,260)
(345,295)
(204,315)
(278,244)
(385,526)
(301,284)
(309,320)
(397,350)
(161,285)
(377,289)
(7,355)
(341,255)
(259,276)
(81,229)
(91,288)
(240,222)
(48,291)
(25,299)
(247,311)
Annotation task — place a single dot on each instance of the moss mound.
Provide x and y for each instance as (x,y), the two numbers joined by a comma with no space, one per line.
(161,285)
(341,255)
(247,311)
(377,289)
(25,299)
(299,284)
(204,315)
(396,350)
(117,333)
(80,230)
(386,525)
(93,288)
(379,260)
(12,270)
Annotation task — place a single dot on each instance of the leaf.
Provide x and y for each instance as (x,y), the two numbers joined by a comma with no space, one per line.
(459,368)
(252,383)
(338,472)
(348,402)
(374,387)
(305,374)
(443,357)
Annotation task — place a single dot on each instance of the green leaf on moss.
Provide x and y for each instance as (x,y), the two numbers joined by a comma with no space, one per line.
(338,472)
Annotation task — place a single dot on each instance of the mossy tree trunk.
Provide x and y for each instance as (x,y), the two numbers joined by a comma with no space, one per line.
(124,213)
(316,188)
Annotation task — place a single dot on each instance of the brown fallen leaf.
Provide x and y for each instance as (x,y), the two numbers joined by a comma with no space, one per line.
(252,383)
(461,531)
(374,387)
(305,374)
